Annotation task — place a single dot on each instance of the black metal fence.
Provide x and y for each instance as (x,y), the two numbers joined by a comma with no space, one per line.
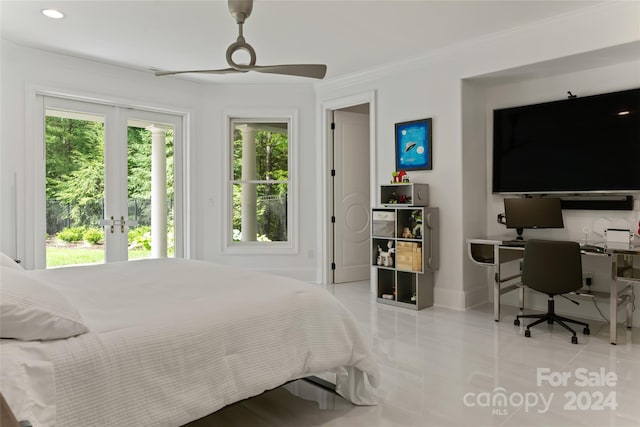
(64,215)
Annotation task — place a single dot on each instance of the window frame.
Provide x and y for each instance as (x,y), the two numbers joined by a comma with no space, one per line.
(290,246)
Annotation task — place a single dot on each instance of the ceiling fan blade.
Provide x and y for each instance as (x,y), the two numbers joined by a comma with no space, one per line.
(240,10)
(315,71)
(221,71)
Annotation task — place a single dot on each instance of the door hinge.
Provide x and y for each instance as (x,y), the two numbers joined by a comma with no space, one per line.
(333,265)
(333,172)
(333,126)
(333,219)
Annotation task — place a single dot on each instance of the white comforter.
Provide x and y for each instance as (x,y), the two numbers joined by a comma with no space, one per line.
(173,340)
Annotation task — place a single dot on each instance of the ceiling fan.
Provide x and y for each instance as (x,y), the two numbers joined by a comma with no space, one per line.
(240,10)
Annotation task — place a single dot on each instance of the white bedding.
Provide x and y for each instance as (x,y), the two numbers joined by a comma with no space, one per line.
(172,340)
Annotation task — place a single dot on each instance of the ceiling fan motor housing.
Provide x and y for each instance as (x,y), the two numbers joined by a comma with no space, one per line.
(240,9)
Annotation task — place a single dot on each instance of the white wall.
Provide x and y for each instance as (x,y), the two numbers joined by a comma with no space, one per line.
(25,68)
(449,86)
(582,83)
(437,86)
(219,100)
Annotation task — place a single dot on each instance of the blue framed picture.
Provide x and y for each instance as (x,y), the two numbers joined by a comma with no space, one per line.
(413,145)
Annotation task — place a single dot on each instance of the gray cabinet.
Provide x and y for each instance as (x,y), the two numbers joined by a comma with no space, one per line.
(404,194)
(404,252)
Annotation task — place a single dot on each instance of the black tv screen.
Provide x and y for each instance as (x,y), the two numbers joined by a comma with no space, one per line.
(577,145)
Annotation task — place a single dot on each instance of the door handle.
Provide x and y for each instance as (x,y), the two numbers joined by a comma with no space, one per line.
(108,223)
(122,222)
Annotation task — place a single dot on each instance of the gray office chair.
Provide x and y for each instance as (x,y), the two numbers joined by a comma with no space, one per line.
(554,268)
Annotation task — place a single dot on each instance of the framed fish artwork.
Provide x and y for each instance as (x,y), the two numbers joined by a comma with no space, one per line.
(414,145)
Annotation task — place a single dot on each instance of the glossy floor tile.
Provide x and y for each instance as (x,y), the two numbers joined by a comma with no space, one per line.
(441,367)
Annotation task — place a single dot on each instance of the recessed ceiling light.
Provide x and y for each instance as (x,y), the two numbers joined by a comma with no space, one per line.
(52,13)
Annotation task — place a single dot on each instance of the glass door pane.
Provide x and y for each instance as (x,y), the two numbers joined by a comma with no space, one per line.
(151,198)
(74,188)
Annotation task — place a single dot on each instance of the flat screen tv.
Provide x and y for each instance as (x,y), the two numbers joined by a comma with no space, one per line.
(578,145)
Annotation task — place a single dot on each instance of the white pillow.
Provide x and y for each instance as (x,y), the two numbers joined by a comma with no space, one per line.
(32,310)
(7,261)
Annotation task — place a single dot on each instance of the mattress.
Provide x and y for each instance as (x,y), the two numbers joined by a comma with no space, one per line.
(172,340)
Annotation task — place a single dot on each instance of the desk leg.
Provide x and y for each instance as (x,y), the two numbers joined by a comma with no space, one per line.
(496,298)
(629,305)
(613,311)
(496,283)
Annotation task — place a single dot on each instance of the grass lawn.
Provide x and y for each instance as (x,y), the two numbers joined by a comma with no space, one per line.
(60,256)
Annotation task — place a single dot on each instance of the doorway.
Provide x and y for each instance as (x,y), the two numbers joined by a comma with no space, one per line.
(109,179)
(350,195)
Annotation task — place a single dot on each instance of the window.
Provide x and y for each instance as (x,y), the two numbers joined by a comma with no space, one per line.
(261,186)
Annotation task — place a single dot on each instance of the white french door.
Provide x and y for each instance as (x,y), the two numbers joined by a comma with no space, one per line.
(98,160)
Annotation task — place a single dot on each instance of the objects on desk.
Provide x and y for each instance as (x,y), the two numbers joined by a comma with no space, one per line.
(618,236)
(532,212)
(592,248)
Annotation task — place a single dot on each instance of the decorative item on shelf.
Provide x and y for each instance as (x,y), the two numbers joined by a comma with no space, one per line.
(393,198)
(406,233)
(399,177)
(416,223)
(402,198)
(413,297)
(386,258)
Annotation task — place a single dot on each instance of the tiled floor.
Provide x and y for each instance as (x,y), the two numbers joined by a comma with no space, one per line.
(441,367)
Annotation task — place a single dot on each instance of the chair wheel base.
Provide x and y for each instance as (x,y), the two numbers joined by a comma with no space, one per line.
(574,340)
(527,333)
(586,331)
(516,322)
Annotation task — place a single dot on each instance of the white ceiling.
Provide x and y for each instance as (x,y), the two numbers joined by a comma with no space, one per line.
(348,36)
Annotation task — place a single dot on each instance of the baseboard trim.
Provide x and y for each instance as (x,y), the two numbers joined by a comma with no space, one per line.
(460,300)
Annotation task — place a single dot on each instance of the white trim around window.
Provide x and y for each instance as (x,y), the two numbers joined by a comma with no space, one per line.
(265,248)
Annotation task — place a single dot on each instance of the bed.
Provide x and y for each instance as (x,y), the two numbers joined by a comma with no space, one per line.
(163,342)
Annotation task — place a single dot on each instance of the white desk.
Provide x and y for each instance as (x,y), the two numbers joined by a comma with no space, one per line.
(494,253)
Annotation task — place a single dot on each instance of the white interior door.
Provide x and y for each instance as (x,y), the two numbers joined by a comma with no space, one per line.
(351,197)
